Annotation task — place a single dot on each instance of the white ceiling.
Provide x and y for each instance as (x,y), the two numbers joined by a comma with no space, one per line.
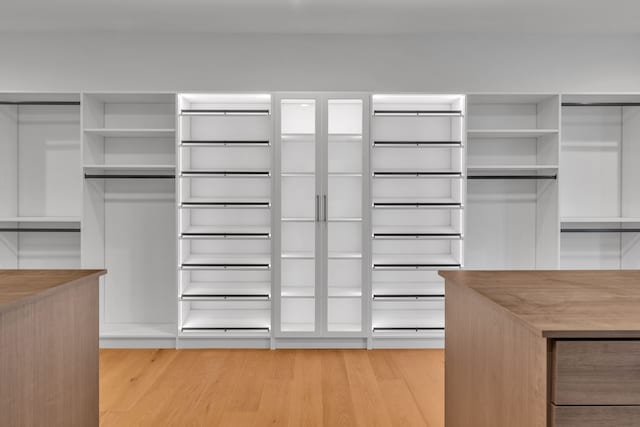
(323,16)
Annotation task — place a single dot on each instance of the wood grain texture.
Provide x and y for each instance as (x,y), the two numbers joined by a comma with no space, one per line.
(496,367)
(603,372)
(49,357)
(19,287)
(562,304)
(272,388)
(595,416)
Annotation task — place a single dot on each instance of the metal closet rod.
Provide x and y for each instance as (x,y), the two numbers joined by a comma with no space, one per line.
(223,112)
(418,173)
(600,230)
(226,173)
(383,235)
(416,204)
(406,328)
(225,142)
(261,235)
(418,112)
(104,176)
(601,104)
(226,329)
(452,143)
(40,230)
(408,295)
(512,177)
(263,296)
(39,102)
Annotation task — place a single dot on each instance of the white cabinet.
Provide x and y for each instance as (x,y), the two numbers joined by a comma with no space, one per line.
(320,279)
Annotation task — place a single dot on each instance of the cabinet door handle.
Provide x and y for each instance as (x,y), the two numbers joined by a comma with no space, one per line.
(324,205)
(317,208)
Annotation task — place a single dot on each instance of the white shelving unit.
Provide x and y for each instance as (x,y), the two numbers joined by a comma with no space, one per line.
(128,165)
(513,174)
(224,234)
(600,208)
(418,198)
(40,180)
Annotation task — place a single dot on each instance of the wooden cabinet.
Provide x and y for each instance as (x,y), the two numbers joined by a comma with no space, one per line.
(542,348)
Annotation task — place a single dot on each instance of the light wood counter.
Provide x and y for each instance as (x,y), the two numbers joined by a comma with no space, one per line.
(542,348)
(49,347)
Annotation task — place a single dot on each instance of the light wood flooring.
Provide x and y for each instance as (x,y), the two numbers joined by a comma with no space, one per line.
(272,388)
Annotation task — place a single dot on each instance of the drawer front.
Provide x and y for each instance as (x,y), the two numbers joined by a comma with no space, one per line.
(595,416)
(603,372)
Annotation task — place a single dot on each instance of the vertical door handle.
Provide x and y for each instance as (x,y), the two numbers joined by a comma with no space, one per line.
(324,205)
(317,208)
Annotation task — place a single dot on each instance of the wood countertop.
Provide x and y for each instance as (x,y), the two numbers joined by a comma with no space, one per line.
(562,303)
(19,287)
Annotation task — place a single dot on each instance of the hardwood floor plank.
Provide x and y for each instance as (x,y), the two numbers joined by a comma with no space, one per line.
(271,388)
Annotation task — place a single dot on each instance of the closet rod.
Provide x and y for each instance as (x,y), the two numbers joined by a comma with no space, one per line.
(221,112)
(41,230)
(415,235)
(228,235)
(238,296)
(224,329)
(413,266)
(225,204)
(408,296)
(405,328)
(40,103)
(91,176)
(224,142)
(417,113)
(512,177)
(227,173)
(415,204)
(600,230)
(601,104)
(425,143)
(418,173)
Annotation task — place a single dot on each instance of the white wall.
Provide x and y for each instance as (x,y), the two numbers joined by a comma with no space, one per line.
(430,63)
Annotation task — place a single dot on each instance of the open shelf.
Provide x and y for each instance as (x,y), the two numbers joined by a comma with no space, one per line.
(510,133)
(132,133)
(138,330)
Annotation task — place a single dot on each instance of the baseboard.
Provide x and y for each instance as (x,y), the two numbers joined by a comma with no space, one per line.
(325,343)
(131,342)
(399,343)
(184,342)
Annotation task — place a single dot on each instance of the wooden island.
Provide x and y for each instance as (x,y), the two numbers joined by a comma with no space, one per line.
(542,348)
(49,347)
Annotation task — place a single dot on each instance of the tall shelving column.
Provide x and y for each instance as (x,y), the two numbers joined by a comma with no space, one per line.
(418,193)
(512,181)
(224,220)
(600,205)
(128,161)
(40,188)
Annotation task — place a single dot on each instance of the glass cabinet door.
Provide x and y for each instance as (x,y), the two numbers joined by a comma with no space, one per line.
(299,215)
(343,203)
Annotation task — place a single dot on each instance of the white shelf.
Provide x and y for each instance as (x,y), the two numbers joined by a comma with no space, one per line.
(298,137)
(138,330)
(247,229)
(343,292)
(202,319)
(42,219)
(297,255)
(411,259)
(131,133)
(226,288)
(297,291)
(510,133)
(345,255)
(237,259)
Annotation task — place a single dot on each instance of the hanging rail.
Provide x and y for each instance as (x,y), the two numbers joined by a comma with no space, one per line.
(40,230)
(407,328)
(223,112)
(601,104)
(418,113)
(417,143)
(512,177)
(226,235)
(436,174)
(410,236)
(406,296)
(225,329)
(129,176)
(39,102)
(416,205)
(412,266)
(600,230)
(243,143)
